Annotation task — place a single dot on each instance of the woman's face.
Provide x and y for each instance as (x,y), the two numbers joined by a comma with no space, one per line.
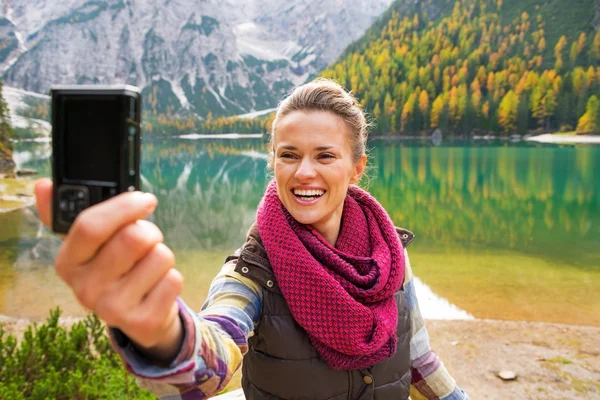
(313,167)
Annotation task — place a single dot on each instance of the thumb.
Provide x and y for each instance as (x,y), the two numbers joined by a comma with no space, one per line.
(43,200)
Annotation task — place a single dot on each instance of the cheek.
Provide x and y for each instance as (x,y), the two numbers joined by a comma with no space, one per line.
(280,168)
(340,175)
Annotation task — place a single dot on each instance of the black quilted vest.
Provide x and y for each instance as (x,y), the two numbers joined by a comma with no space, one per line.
(281,363)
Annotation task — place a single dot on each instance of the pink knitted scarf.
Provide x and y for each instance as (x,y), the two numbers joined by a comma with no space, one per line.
(343,296)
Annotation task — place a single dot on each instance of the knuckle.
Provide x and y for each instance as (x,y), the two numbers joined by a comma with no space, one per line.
(138,237)
(85,295)
(131,238)
(109,311)
(143,323)
(86,227)
(164,255)
(65,269)
(61,269)
(175,280)
(135,323)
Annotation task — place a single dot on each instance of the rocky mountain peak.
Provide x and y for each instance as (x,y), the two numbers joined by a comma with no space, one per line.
(226,57)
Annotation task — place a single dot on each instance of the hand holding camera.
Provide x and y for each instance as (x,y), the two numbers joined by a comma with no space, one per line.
(112,259)
(118,268)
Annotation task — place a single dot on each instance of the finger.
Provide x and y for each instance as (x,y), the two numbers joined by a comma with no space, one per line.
(97,224)
(43,200)
(159,301)
(91,281)
(121,253)
(158,310)
(148,272)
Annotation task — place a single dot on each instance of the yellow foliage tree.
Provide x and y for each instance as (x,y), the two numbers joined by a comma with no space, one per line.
(508,111)
(437,109)
(588,123)
(424,102)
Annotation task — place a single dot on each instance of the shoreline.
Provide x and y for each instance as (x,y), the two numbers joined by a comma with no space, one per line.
(552,361)
(15,193)
(556,137)
(567,139)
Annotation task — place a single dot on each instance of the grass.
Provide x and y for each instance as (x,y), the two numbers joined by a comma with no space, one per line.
(560,360)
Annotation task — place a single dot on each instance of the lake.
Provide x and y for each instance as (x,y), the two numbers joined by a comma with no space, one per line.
(503,230)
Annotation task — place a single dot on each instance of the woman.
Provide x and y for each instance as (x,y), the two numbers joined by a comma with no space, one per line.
(319,302)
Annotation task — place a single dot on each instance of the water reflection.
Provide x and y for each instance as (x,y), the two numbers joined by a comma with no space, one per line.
(543,201)
(503,230)
(207,192)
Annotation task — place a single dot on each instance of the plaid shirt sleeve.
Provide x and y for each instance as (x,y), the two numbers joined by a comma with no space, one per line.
(214,344)
(430,378)
(216,340)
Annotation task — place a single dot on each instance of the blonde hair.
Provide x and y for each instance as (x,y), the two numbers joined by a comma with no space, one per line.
(326,95)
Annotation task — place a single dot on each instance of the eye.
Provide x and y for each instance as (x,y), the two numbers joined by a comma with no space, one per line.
(287,155)
(325,156)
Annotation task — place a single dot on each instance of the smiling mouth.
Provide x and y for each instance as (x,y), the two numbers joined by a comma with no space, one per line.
(308,195)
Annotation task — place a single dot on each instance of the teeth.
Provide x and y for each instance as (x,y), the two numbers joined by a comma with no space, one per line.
(308,193)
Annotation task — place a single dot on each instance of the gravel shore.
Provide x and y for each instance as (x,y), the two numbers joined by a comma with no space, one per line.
(551,361)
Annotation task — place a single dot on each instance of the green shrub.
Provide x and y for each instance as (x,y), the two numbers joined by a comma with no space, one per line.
(51,362)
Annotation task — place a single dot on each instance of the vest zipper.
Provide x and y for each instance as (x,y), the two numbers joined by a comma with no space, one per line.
(350,385)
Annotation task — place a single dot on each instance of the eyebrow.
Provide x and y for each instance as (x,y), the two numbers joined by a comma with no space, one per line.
(320,148)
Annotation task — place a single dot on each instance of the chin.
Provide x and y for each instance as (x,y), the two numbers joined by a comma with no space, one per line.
(303,218)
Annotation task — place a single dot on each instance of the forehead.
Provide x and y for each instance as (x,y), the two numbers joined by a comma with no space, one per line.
(312,128)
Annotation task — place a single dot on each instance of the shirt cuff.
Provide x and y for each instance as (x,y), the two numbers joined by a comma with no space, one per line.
(141,366)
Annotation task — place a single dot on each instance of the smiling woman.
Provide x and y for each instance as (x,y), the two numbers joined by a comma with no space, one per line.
(320,292)
(314,167)
(318,145)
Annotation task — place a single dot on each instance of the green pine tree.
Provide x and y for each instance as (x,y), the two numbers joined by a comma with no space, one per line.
(6,130)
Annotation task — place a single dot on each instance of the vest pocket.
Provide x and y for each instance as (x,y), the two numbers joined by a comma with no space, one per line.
(294,379)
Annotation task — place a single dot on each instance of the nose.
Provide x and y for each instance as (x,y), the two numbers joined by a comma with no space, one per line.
(306,170)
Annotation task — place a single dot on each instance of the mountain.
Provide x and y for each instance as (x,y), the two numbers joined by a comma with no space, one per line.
(189,56)
(478,66)
(28,112)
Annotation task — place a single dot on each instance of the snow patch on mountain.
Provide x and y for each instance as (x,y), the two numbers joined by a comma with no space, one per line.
(17,103)
(219,56)
(253,40)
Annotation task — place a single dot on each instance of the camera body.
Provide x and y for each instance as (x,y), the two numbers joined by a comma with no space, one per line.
(96,140)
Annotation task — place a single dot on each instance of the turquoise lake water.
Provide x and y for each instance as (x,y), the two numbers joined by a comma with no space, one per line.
(503,230)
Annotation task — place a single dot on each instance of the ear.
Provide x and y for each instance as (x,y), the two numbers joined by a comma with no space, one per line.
(359,169)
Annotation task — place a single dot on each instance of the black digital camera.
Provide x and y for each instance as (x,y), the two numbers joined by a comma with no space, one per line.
(96,139)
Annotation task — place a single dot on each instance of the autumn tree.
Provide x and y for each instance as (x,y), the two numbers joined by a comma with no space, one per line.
(595,50)
(437,109)
(460,70)
(507,112)
(588,123)
(424,106)
(558,50)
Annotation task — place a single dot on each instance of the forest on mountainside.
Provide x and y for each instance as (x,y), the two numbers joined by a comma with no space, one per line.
(476,70)
(471,67)
(466,67)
